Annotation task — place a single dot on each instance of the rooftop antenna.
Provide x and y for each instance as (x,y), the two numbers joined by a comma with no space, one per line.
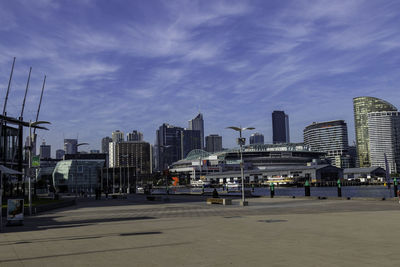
(40,103)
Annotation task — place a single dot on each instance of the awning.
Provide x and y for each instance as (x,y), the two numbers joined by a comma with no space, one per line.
(5,170)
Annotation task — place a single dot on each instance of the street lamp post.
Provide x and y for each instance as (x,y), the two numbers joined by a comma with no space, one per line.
(126,164)
(241,141)
(32,124)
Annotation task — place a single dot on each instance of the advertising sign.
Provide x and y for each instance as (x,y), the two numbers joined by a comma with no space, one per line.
(15,210)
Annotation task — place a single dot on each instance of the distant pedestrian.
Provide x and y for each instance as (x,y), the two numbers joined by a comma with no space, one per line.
(215,193)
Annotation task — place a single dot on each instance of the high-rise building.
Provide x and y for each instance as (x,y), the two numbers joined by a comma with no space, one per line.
(329,137)
(384,138)
(134,136)
(280,127)
(213,143)
(71,146)
(198,124)
(60,153)
(256,138)
(117,136)
(168,145)
(362,106)
(105,144)
(133,154)
(45,151)
(191,139)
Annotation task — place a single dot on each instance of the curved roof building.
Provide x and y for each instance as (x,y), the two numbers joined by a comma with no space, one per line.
(77,175)
(362,106)
(261,156)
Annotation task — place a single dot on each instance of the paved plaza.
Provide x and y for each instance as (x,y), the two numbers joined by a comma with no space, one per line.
(185,231)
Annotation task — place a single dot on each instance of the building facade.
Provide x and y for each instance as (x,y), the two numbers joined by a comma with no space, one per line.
(134,136)
(213,143)
(256,138)
(330,137)
(71,146)
(280,127)
(60,153)
(75,176)
(384,139)
(362,106)
(191,140)
(117,136)
(105,144)
(168,145)
(198,124)
(45,151)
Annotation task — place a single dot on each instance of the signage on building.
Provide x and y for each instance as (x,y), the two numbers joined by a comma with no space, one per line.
(35,161)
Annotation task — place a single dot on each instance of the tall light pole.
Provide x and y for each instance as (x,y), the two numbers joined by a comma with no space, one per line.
(241,141)
(32,124)
(126,156)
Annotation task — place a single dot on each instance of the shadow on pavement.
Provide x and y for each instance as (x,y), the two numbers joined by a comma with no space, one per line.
(71,238)
(91,252)
(44,223)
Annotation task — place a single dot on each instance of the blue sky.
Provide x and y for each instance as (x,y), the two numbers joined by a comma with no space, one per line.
(136,64)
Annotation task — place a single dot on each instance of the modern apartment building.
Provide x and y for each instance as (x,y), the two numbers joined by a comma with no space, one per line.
(330,137)
(362,106)
(105,144)
(134,136)
(384,139)
(117,136)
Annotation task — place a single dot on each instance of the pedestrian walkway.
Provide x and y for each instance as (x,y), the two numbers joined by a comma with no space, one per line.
(188,232)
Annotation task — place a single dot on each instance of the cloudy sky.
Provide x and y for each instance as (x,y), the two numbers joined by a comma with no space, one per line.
(136,64)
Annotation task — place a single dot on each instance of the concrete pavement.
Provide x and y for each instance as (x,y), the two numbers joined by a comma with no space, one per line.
(187,232)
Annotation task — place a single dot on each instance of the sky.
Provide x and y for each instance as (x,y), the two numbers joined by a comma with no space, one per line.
(134,65)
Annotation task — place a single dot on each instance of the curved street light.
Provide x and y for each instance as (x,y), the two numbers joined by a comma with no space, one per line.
(241,141)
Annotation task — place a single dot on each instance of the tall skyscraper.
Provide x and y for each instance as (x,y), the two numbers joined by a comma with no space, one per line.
(362,106)
(198,124)
(168,145)
(117,136)
(45,151)
(280,127)
(134,136)
(384,138)
(256,138)
(105,144)
(330,137)
(213,143)
(191,140)
(70,146)
(60,153)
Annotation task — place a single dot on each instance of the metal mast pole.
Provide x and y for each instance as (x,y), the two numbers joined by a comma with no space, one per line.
(4,110)
(26,92)
(40,103)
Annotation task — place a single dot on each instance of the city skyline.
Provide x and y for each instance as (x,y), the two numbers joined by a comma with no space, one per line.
(235,62)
